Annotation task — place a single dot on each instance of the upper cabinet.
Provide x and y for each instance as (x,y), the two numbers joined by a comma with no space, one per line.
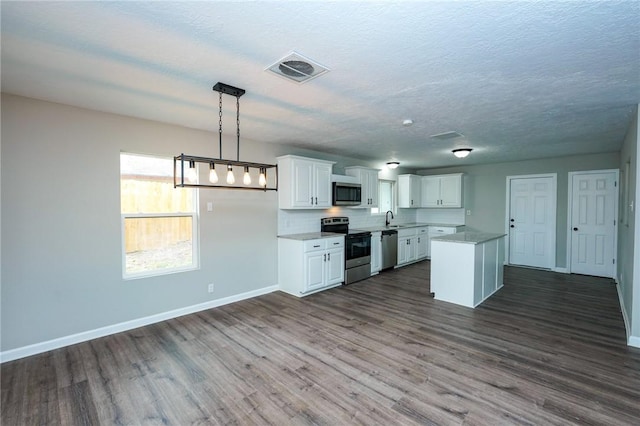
(442,191)
(409,191)
(369,182)
(304,183)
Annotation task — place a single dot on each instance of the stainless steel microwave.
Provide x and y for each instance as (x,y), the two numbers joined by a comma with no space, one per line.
(346,194)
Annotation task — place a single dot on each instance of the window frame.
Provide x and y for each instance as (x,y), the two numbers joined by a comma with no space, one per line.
(376,211)
(195,232)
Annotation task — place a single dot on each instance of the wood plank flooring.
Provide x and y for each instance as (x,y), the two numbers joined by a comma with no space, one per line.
(546,349)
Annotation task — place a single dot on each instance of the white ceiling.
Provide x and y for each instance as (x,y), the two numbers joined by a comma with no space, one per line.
(520,80)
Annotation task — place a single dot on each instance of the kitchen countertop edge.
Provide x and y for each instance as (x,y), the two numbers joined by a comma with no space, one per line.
(469,237)
(311,236)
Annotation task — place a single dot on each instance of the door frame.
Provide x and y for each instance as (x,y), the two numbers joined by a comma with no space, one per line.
(615,215)
(554,207)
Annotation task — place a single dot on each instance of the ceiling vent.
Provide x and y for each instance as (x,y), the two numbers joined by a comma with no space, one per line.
(296,67)
(447,135)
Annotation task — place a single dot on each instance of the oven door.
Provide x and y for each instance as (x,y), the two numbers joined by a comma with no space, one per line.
(357,250)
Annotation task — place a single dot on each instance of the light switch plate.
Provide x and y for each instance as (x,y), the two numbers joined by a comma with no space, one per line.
(209,206)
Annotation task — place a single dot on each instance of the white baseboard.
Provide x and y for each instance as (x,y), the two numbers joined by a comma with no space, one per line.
(560,270)
(84,336)
(631,340)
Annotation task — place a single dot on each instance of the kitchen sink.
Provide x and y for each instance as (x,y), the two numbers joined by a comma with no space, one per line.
(395,226)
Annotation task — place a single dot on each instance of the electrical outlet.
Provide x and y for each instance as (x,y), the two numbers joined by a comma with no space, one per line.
(209,206)
(468,212)
(210,288)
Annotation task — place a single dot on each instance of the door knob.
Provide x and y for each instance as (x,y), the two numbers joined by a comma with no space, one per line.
(575,229)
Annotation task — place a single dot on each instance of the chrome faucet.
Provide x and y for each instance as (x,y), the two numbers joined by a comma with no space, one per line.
(386,217)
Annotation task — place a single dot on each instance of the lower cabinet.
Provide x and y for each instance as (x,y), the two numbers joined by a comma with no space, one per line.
(413,244)
(376,252)
(308,266)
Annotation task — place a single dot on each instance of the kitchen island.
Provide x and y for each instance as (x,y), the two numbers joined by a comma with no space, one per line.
(467,267)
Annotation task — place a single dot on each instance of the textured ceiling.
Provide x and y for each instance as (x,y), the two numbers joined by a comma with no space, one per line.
(519,80)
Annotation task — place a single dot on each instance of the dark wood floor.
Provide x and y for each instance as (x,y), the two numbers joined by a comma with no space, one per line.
(546,349)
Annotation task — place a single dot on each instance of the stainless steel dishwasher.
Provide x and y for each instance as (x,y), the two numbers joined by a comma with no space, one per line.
(389,248)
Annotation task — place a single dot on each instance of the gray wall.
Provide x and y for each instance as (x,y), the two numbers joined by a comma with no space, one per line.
(61,233)
(485,190)
(629,240)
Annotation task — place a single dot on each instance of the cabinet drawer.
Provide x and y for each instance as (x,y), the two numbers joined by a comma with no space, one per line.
(407,232)
(313,245)
(334,242)
(422,231)
(442,230)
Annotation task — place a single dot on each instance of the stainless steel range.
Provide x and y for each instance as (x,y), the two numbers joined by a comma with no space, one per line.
(357,248)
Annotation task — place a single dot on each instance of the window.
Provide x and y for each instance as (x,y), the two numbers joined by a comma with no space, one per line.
(386,199)
(159,222)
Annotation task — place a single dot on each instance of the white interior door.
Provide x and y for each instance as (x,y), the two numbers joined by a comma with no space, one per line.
(532,228)
(593,226)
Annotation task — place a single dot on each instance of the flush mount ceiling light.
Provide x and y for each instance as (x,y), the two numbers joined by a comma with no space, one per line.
(190,178)
(393,164)
(408,122)
(295,67)
(447,135)
(462,152)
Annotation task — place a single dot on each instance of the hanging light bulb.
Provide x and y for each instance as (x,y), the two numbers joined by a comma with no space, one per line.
(213,175)
(192,173)
(262,180)
(247,177)
(231,179)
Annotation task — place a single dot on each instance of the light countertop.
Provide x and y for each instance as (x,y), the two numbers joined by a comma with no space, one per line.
(469,237)
(406,225)
(311,236)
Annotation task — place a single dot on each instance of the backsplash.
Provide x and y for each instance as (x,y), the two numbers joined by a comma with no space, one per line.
(303,221)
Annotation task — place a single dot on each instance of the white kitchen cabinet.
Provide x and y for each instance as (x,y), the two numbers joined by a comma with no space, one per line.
(309,266)
(409,191)
(441,191)
(412,244)
(304,183)
(376,252)
(422,243)
(368,179)
(406,250)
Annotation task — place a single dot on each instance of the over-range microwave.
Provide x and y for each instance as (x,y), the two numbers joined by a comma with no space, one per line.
(346,194)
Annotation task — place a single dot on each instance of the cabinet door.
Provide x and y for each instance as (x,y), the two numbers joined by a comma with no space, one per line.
(409,191)
(372,188)
(422,243)
(451,191)
(406,250)
(315,265)
(430,191)
(335,266)
(303,184)
(322,185)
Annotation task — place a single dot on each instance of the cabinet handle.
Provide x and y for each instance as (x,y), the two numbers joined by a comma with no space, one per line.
(418,240)
(325,257)
(316,201)
(328,256)
(336,244)
(311,200)
(316,246)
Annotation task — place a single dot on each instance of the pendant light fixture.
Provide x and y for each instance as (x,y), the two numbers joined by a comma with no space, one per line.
(191,161)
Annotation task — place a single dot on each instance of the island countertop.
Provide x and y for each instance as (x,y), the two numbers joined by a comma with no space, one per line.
(469,237)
